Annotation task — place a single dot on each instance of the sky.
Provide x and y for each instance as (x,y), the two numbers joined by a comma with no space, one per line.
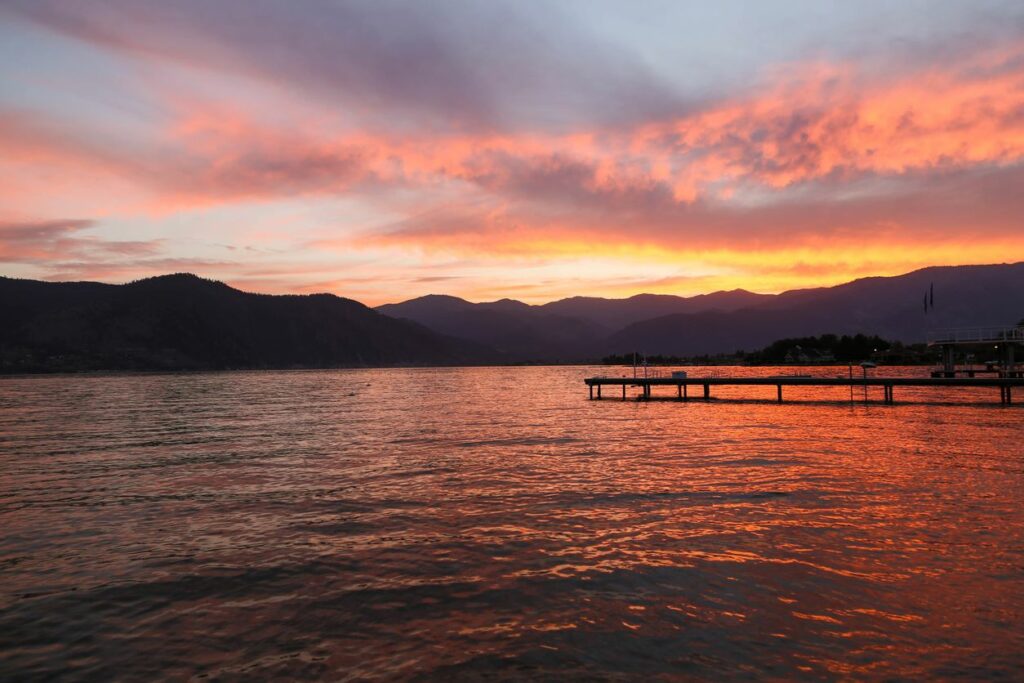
(530,149)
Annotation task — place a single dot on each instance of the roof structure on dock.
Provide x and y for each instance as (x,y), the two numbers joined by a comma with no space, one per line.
(977,335)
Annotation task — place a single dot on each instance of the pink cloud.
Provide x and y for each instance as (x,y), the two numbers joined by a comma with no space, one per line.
(820,124)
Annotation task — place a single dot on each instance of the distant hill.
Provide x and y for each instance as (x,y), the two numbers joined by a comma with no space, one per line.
(185,322)
(614,314)
(519,331)
(565,330)
(890,307)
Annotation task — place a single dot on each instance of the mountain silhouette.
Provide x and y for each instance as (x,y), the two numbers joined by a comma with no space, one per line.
(890,307)
(581,328)
(615,314)
(185,322)
(565,330)
(517,330)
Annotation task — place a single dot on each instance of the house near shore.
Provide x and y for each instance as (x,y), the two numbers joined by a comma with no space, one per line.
(798,354)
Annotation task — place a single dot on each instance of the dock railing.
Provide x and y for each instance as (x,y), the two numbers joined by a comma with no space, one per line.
(976,335)
(652,373)
(715,372)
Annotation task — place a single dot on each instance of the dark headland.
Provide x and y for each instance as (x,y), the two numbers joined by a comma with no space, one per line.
(183,322)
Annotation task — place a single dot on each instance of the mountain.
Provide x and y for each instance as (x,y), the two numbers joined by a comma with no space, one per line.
(615,314)
(185,322)
(565,330)
(891,307)
(519,331)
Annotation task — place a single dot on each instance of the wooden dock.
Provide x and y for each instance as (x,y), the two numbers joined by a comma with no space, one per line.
(1005,385)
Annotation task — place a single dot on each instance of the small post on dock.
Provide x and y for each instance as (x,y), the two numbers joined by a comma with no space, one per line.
(1006,359)
(623,391)
(948,361)
(591,386)
(599,392)
(779,388)
(707,392)
(686,395)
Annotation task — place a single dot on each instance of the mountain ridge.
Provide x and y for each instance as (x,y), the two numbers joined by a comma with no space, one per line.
(182,321)
(566,329)
(730,320)
(889,306)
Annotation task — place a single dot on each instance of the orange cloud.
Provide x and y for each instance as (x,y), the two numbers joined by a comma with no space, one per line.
(825,120)
(814,123)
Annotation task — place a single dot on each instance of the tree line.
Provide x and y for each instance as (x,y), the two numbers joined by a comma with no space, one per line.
(825,348)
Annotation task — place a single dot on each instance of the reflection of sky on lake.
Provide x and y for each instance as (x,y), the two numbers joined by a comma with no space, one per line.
(484,522)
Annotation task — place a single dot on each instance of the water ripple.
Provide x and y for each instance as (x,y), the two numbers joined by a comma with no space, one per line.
(362,524)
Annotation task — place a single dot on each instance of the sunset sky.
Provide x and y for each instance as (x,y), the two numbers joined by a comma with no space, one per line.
(532,150)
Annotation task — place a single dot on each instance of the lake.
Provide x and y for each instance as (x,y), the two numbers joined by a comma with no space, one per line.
(494,523)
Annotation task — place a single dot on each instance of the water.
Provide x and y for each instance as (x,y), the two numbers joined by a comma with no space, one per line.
(493,523)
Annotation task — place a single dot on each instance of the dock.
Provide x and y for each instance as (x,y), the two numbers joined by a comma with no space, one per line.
(682,385)
(1001,341)
(1004,374)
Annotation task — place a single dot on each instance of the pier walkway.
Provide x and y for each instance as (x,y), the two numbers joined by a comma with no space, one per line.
(1005,385)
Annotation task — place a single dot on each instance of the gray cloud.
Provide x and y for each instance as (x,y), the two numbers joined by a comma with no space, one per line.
(40,242)
(447,65)
(979,203)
